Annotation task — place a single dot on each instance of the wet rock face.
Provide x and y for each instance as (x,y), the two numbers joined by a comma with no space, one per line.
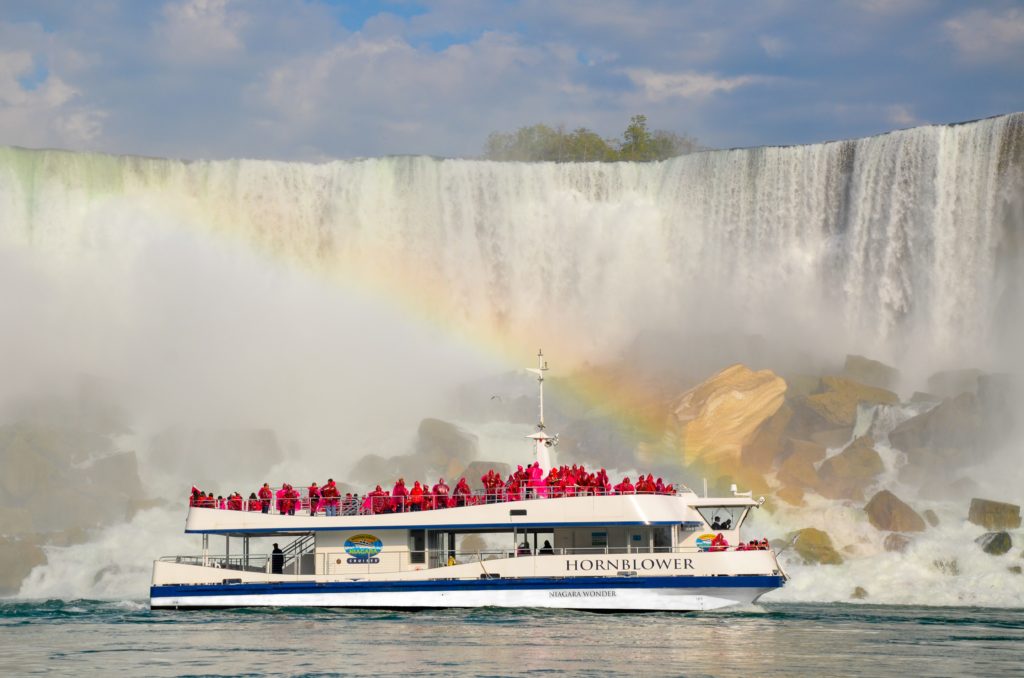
(815,546)
(946,436)
(995,543)
(798,469)
(887,512)
(438,442)
(722,415)
(931,517)
(836,405)
(847,474)
(871,372)
(994,515)
(896,543)
(859,593)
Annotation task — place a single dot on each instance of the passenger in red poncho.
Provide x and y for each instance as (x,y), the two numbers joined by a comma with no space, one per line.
(440,491)
(254,504)
(331,497)
(266,494)
(625,487)
(379,502)
(400,497)
(314,498)
(461,493)
(416,497)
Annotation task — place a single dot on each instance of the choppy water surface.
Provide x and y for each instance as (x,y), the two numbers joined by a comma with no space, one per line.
(78,637)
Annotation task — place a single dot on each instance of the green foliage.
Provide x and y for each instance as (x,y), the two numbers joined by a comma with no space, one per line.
(539,143)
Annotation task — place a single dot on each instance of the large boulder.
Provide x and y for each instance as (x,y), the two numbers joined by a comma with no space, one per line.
(951,383)
(847,474)
(768,442)
(887,512)
(798,468)
(895,542)
(438,442)
(815,546)
(946,436)
(478,469)
(717,418)
(18,555)
(995,543)
(836,406)
(871,372)
(994,515)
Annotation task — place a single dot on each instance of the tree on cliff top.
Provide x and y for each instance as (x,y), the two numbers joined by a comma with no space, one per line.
(540,142)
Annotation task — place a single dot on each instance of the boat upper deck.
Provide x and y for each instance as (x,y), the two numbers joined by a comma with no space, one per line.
(547,512)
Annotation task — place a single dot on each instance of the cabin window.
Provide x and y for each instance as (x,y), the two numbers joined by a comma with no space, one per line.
(599,539)
(417,546)
(722,517)
(662,538)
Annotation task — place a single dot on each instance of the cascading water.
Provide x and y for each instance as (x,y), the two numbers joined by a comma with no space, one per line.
(904,246)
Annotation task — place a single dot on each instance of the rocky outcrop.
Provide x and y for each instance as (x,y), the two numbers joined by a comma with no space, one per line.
(18,555)
(931,518)
(836,405)
(798,468)
(833,437)
(896,542)
(721,416)
(951,383)
(794,496)
(768,441)
(887,512)
(859,593)
(871,372)
(995,543)
(439,442)
(946,436)
(847,474)
(994,515)
(815,546)
(478,469)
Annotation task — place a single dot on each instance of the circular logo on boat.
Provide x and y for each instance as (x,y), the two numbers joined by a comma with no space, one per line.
(704,541)
(363,546)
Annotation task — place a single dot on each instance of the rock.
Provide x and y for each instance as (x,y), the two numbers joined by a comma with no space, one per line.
(604,441)
(946,436)
(931,518)
(887,512)
(373,469)
(802,385)
(720,416)
(767,443)
(947,566)
(438,442)
(994,515)
(794,496)
(859,593)
(1015,569)
(836,406)
(18,555)
(871,372)
(815,546)
(951,383)
(478,469)
(798,468)
(847,474)
(834,437)
(896,542)
(922,397)
(995,543)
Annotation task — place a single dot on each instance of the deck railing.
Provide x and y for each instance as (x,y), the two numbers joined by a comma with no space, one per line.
(381,504)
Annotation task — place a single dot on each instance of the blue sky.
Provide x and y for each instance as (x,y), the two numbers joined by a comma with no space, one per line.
(310,79)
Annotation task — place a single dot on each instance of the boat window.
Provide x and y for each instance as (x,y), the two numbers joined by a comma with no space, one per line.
(599,539)
(662,538)
(417,546)
(722,517)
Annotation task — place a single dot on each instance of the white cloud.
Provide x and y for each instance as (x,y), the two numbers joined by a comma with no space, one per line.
(986,36)
(773,46)
(42,113)
(902,116)
(686,85)
(200,30)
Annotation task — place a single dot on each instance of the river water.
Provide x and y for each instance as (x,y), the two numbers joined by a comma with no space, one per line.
(126,638)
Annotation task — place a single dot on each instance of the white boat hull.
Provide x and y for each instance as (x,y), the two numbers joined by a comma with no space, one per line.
(606,594)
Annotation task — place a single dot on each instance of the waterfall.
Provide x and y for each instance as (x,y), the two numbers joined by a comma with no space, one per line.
(893,245)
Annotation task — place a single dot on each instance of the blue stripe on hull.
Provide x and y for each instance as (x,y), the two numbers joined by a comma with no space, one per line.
(510,584)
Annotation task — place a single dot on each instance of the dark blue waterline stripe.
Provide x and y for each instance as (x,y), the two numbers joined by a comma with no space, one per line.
(438,528)
(509,584)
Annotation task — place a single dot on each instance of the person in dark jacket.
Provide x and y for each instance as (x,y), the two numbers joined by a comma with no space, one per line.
(277,560)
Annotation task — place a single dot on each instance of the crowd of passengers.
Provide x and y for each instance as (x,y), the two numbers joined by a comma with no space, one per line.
(523,483)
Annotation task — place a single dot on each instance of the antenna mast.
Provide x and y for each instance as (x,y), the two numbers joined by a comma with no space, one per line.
(542,367)
(541,439)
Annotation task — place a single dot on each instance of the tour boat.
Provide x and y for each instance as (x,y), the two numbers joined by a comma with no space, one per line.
(604,552)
